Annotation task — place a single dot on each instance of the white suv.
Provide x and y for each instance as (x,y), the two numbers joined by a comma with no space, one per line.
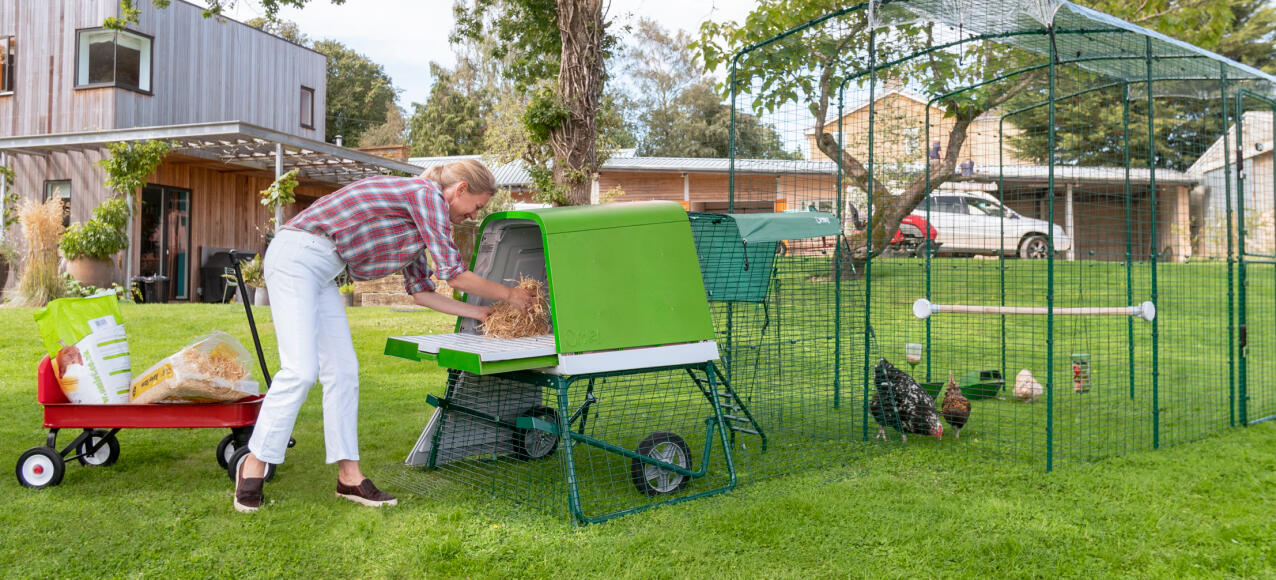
(972,223)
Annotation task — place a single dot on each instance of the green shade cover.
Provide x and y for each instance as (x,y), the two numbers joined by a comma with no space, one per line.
(777,227)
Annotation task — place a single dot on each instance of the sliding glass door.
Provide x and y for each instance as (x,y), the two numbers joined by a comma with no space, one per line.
(166,238)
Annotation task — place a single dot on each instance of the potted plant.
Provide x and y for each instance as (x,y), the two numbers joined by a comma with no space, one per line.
(255,279)
(90,246)
(347,294)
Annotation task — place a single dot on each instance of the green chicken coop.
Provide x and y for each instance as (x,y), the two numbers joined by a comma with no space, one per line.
(622,407)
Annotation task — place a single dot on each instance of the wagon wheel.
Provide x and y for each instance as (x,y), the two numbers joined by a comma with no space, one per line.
(226,448)
(40,467)
(665,447)
(232,466)
(105,455)
(534,443)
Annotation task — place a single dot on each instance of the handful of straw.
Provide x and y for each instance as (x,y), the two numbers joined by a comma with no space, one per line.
(508,321)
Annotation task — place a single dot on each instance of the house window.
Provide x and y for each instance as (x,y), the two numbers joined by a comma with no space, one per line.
(307,108)
(8,72)
(111,58)
(60,189)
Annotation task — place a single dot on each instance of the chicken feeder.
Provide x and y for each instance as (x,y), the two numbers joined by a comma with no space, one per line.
(629,366)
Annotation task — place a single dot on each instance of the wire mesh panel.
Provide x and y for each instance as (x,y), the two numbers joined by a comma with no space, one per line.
(474,440)
(592,446)
(1256,198)
(791,347)
(1038,172)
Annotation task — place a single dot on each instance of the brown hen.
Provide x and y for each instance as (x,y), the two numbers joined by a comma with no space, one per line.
(956,407)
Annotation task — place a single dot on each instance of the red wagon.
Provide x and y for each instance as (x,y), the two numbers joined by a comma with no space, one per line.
(96,445)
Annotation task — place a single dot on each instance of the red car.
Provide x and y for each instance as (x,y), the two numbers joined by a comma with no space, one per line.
(907,241)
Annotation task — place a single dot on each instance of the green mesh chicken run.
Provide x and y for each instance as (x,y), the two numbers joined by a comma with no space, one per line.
(1072,215)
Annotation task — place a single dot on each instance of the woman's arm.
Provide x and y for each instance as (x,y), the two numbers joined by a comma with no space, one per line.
(441,303)
(472,283)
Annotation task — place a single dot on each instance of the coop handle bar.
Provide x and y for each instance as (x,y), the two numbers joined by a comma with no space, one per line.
(923,308)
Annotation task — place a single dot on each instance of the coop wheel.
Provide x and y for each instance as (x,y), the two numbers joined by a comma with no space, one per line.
(105,455)
(40,467)
(1034,247)
(534,443)
(225,449)
(668,448)
(232,464)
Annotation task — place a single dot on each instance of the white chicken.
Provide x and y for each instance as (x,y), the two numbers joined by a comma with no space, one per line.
(1026,387)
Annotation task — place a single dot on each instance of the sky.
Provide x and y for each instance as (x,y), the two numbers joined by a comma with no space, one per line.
(405,35)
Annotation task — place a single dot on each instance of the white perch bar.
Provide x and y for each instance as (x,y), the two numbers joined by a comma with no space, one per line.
(923,309)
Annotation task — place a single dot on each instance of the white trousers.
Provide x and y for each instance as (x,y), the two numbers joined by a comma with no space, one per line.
(314,344)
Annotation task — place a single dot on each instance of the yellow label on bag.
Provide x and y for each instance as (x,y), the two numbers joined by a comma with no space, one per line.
(151,379)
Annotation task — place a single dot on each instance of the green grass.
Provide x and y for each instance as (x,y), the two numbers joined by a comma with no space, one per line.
(1199,509)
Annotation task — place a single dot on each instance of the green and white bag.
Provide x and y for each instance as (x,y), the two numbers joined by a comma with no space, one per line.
(86,342)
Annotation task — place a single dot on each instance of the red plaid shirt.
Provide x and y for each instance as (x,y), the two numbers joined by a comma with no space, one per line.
(382,225)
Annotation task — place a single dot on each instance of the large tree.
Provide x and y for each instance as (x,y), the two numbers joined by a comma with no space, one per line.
(453,119)
(557,51)
(1252,37)
(392,132)
(360,93)
(678,111)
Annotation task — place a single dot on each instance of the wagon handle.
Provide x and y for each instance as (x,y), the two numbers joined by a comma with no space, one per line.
(235,255)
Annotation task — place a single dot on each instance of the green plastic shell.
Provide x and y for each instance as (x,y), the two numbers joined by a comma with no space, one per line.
(620,275)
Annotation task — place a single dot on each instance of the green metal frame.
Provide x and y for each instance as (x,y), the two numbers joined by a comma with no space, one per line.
(572,423)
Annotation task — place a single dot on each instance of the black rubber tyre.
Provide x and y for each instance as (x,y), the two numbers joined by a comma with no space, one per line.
(662,446)
(530,444)
(1034,247)
(232,465)
(40,467)
(105,455)
(225,449)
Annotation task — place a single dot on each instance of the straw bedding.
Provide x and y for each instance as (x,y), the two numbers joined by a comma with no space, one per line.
(506,321)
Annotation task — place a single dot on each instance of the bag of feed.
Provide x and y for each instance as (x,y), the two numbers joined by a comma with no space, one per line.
(86,342)
(209,370)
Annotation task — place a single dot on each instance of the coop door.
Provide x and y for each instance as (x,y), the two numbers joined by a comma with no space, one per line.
(1255,177)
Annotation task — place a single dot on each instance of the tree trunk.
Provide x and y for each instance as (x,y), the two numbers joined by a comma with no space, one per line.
(580,24)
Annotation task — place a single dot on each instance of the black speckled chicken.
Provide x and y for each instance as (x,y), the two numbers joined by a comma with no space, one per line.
(902,404)
(956,407)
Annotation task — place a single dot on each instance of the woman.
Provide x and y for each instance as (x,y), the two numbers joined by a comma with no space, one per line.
(373,228)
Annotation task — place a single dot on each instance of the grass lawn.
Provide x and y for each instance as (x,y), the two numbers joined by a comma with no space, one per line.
(1199,509)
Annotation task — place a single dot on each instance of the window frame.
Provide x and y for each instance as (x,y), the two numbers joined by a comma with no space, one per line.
(6,43)
(70,191)
(304,90)
(115,83)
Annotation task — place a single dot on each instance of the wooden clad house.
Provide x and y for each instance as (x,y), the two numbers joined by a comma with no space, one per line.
(239,105)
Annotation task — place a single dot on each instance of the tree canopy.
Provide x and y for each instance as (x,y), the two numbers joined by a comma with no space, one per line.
(360,93)
(678,111)
(453,120)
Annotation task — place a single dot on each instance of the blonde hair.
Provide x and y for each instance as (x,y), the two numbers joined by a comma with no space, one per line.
(471,171)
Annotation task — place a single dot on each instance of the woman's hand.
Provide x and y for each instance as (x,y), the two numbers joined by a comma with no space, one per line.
(480,313)
(519,298)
